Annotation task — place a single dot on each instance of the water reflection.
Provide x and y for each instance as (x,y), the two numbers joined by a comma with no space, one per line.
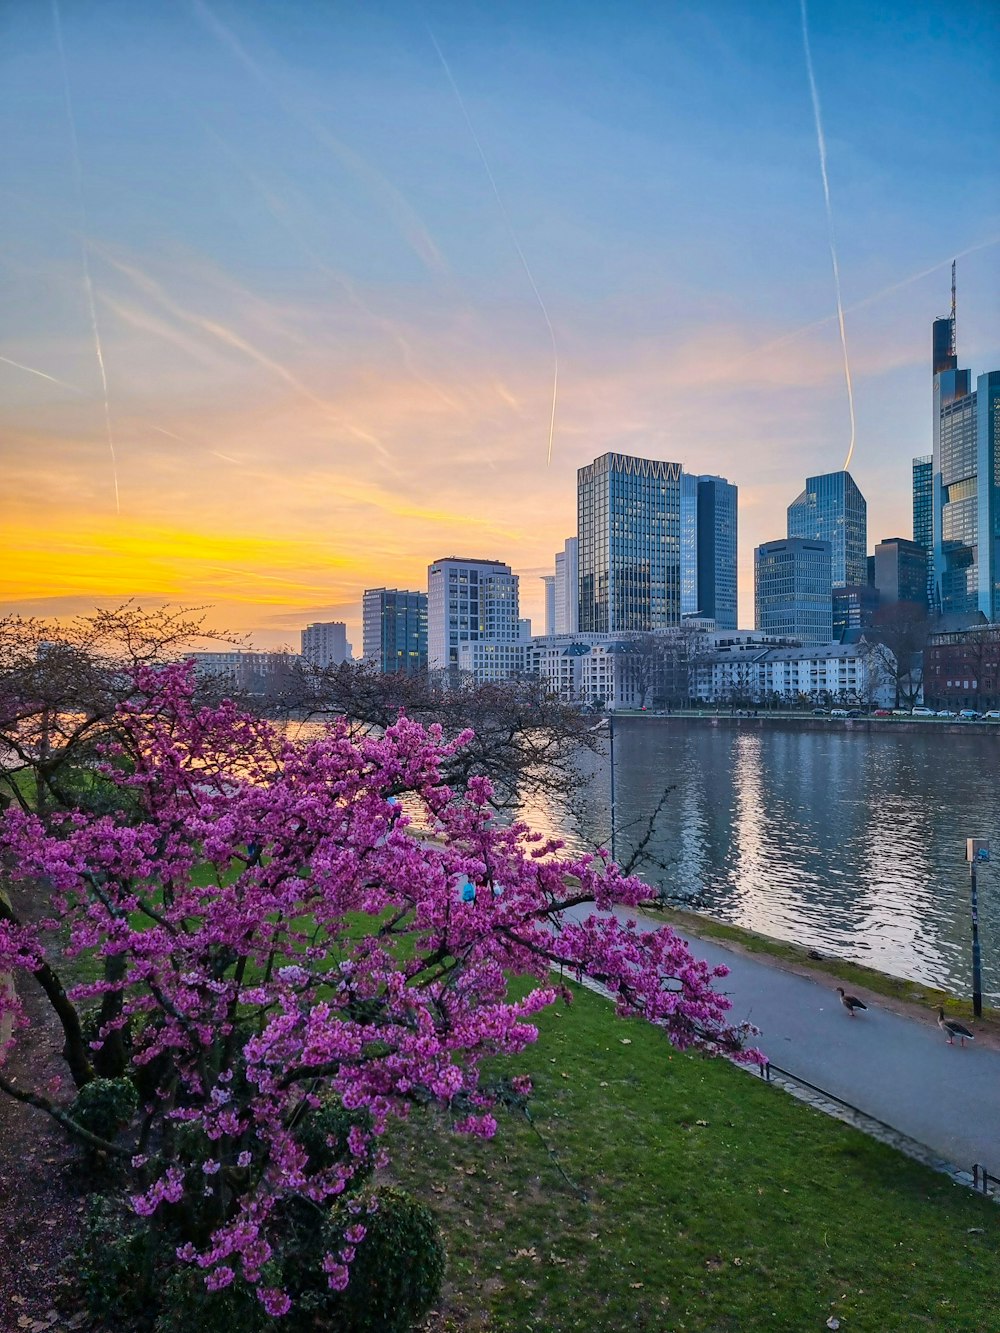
(848,842)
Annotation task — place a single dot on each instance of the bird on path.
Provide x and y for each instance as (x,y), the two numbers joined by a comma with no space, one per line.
(954,1029)
(850,1002)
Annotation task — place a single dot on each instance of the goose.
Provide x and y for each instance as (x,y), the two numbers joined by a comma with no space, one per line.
(954,1029)
(850,1002)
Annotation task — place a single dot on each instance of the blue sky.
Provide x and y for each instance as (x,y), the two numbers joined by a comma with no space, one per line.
(326,363)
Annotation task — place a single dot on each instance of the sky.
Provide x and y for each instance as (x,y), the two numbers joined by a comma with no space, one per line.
(286,285)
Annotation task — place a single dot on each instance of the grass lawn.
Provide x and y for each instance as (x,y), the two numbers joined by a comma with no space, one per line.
(713,1202)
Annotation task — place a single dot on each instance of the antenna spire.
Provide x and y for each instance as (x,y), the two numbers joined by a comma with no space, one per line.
(954,340)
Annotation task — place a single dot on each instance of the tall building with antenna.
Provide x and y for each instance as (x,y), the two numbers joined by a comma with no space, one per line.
(966,479)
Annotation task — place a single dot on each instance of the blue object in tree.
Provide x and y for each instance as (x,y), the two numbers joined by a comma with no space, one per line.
(467,892)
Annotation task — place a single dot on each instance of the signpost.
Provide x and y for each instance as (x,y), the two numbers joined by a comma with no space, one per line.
(977,853)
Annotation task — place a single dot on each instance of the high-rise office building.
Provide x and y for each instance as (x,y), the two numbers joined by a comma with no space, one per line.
(793,593)
(717,532)
(468,601)
(394,625)
(708,549)
(900,571)
(549,581)
(325,643)
(966,498)
(923,515)
(568,588)
(629,531)
(832,509)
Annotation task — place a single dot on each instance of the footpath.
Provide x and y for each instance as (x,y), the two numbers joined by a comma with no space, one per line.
(896,1068)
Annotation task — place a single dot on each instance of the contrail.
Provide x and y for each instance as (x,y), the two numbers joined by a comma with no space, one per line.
(829,223)
(33,371)
(78,176)
(513,238)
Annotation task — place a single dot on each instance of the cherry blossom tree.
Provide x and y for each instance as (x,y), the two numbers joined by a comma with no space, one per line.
(257,927)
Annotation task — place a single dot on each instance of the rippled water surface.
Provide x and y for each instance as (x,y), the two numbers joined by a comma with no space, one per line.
(847,841)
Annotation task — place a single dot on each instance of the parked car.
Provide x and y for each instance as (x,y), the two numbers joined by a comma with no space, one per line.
(969,715)
(819,712)
(923,712)
(992,716)
(882,712)
(944,712)
(838,712)
(903,712)
(855,712)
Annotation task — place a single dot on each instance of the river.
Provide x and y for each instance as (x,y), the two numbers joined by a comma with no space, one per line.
(850,842)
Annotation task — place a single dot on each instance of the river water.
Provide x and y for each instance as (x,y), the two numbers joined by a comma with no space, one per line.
(847,841)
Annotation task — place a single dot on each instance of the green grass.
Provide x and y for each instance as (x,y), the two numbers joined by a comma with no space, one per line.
(856,974)
(713,1202)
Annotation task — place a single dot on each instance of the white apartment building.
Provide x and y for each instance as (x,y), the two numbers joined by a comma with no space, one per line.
(567,589)
(325,643)
(468,601)
(822,672)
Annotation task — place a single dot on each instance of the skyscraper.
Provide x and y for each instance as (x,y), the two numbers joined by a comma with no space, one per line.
(832,509)
(717,530)
(468,601)
(966,498)
(923,515)
(394,625)
(900,571)
(628,525)
(792,589)
(550,602)
(568,588)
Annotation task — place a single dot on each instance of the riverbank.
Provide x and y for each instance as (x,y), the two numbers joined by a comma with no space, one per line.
(910,999)
(806,722)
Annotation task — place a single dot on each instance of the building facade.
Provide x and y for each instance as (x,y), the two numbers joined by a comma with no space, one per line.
(629,533)
(549,581)
(468,601)
(823,675)
(901,571)
(793,595)
(832,509)
(324,643)
(394,626)
(962,669)
(854,608)
(923,515)
(567,617)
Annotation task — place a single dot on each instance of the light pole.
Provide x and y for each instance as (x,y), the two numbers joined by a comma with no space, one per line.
(977,852)
(611,759)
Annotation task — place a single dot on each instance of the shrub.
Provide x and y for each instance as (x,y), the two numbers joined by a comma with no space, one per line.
(114,1263)
(396,1275)
(104,1106)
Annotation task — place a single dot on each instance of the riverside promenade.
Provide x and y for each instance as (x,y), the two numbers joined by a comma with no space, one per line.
(896,1068)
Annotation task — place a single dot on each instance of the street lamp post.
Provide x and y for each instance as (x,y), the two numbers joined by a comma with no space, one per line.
(977,853)
(611,760)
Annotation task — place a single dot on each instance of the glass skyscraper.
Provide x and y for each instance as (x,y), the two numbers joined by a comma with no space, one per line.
(832,509)
(629,531)
(923,514)
(793,595)
(966,541)
(717,530)
(394,625)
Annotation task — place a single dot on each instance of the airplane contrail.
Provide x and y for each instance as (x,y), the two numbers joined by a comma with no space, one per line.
(511,233)
(821,141)
(32,370)
(88,284)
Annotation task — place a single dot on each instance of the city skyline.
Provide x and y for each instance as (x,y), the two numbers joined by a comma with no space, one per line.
(325,363)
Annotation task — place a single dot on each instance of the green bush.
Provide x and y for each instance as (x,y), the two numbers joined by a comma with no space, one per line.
(115,1263)
(396,1274)
(187,1306)
(104,1106)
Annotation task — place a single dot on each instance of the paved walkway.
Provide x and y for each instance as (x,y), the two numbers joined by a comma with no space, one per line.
(898,1069)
